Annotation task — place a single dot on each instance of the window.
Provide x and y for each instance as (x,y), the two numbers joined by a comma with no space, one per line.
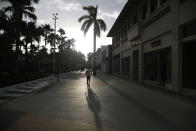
(151,66)
(121,33)
(182,1)
(135,19)
(162,1)
(129,24)
(144,10)
(153,5)
(125,30)
(157,66)
(189,29)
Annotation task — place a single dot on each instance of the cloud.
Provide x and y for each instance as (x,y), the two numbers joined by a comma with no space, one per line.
(41,21)
(60,5)
(122,1)
(112,15)
(69,6)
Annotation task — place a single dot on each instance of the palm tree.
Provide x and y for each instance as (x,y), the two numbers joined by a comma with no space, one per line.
(98,25)
(47,30)
(31,33)
(18,10)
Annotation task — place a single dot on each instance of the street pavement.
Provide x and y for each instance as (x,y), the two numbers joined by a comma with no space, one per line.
(107,104)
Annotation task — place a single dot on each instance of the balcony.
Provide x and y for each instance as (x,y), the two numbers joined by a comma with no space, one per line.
(133,32)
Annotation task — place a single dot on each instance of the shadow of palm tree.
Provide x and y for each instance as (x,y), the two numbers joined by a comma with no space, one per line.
(94,105)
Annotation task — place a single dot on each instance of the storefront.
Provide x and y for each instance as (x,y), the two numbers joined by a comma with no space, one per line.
(135,65)
(126,67)
(157,66)
(116,64)
(188,55)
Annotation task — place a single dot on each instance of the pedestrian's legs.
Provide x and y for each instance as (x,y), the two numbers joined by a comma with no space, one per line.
(87,79)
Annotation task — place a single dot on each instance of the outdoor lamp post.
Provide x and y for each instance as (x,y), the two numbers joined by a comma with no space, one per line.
(54,18)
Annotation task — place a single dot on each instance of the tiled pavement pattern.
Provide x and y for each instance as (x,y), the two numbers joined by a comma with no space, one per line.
(14,91)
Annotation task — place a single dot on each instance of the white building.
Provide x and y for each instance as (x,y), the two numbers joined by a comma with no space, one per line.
(99,56)
(154,42)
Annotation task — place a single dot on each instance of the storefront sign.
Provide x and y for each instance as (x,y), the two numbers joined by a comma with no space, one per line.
(156,43)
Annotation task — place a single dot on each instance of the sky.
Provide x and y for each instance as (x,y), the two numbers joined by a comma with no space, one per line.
(68,13)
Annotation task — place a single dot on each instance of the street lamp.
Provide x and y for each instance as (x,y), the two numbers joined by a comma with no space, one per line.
(54,18)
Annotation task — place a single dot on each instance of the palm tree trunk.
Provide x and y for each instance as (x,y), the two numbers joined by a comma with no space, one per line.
(18,18)
(94,60)
(26,57)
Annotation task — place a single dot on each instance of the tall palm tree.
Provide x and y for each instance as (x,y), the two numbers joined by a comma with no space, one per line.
(19,9)
(98,25)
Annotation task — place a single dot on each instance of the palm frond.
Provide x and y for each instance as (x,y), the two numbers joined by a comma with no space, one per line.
(30,9)
(84,25)
(91,10)
(87,26)
(8,9)
(102,24)
(30,15)
(84,17)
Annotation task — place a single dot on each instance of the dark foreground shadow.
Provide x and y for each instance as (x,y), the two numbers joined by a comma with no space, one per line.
(154,114)
(94,105)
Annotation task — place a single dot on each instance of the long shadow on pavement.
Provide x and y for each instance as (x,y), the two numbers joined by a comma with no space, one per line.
(153,114)
(94,105)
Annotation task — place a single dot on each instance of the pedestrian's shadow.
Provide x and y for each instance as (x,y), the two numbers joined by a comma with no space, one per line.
(94,105)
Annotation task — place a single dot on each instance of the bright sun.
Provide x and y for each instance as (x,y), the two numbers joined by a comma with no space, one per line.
(83,44)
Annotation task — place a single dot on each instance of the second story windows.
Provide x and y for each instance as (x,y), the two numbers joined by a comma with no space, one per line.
(150,6)
(144,10)
(153,5)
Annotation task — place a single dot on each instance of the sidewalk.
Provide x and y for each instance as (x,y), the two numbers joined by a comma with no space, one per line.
(14,91)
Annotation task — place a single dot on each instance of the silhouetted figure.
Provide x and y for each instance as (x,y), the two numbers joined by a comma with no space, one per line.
(88,75)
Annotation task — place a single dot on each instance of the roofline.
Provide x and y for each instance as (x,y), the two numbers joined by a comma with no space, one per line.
(125,8)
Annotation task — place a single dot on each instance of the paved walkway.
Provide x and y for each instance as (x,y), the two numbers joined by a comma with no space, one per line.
(108,104)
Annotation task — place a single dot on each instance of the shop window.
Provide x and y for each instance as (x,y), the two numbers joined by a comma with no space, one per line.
(151,66)
(145,10)
(121,33)
(157,66)
(116,64)
(125,66)
(125,30)
(189,29)
(153,5)
(129,24)
(135,19)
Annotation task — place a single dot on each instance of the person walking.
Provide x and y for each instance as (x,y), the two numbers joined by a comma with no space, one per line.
(88,75)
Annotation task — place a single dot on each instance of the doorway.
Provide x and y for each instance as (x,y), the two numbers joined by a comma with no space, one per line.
(135,69)
(189,65)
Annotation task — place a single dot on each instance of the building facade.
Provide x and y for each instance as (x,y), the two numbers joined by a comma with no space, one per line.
(154,43)
(98,59)
(106,65)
